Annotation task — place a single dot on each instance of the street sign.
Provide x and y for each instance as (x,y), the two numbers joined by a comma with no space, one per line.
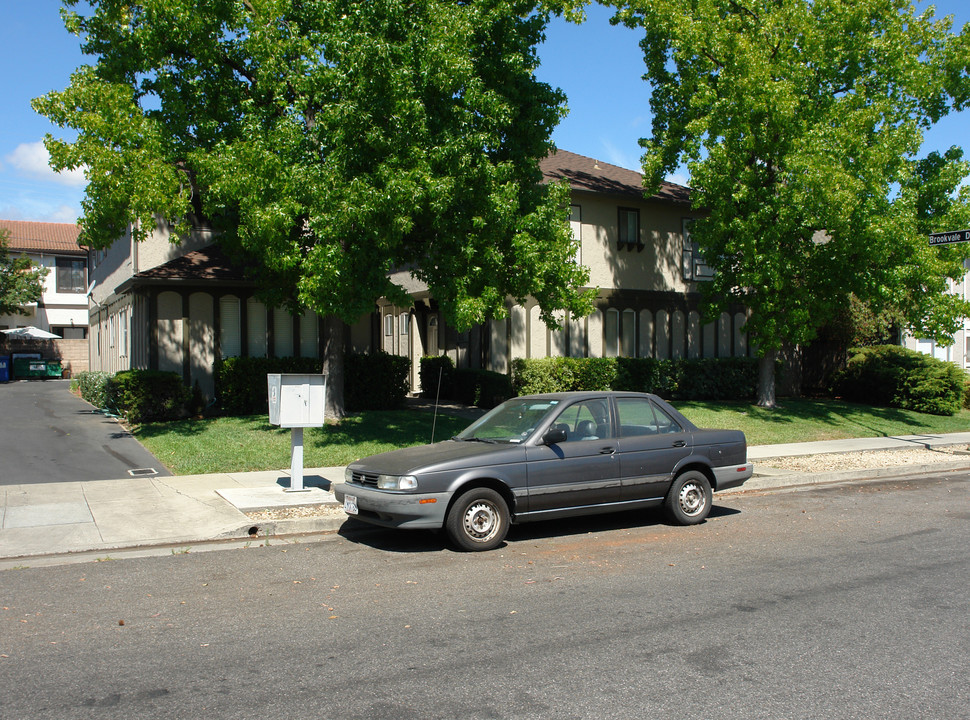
(947,238)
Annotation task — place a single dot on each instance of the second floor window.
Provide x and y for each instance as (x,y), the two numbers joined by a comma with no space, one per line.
(71,275)
(629,220)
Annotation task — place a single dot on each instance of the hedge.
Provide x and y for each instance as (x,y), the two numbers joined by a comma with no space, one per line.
(241,381)
(148,395)
(377,381)
(93,386)
(440,379)
(894,376)
(703,379)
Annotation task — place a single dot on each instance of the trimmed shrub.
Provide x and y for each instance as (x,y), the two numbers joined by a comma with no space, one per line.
(377,381)
(543,375)
(708,379)
(437,373)
(93,386)
(651,375)
(895,376)
(717,379)
(482,388)
(241,381)
(148,395)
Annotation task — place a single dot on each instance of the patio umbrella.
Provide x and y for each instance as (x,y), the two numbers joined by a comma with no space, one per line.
(30,332)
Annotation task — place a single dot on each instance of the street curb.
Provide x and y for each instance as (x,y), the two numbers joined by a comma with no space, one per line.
(256,531)
(783,480)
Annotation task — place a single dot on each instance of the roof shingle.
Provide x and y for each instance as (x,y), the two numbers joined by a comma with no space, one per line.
(48,237)
(596,176)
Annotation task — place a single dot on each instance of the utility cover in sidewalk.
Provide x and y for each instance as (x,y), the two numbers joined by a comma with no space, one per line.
(142,472)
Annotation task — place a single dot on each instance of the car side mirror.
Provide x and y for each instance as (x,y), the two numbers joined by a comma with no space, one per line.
(553,436)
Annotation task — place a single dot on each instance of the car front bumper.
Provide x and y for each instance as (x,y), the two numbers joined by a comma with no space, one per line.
(395,509)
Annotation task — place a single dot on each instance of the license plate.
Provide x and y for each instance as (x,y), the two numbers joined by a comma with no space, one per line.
(350,504)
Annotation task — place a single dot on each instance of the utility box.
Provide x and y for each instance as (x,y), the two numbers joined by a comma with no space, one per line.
(296,400)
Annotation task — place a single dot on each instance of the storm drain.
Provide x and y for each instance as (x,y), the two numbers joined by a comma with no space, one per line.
(142,472)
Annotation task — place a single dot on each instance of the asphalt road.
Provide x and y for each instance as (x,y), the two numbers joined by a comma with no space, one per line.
(49,435)
(836,602)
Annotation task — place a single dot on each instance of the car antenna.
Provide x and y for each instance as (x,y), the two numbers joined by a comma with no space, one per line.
(434,420)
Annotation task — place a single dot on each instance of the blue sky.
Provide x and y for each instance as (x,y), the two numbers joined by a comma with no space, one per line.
(598,66)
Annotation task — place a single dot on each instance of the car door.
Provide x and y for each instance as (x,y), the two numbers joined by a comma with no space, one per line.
(650,443)
(582,469)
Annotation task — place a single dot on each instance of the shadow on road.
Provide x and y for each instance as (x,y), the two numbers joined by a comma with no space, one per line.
(419,541)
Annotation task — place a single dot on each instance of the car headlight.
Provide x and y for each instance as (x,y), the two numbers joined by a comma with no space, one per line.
(397,482)
(348,474)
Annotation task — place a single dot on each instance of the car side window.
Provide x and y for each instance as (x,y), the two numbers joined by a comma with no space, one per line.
(636,417)
(665,423)
(588,420)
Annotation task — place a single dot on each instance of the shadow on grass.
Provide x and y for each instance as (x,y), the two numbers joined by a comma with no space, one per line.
(397,427)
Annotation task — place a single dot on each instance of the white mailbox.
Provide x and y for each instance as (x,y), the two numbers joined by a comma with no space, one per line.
(296,400)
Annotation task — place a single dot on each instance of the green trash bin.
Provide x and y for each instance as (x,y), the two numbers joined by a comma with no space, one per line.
(54,369)
(29,368)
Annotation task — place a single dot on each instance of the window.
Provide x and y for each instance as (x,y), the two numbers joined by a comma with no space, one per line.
(588,420)
(628,334)
(123,333)
(388,325)
(68,332)
(230,332)
(576,225)
(611,327)
(629,223)
(403,322)
(695,268)
(71,275)
(642,417)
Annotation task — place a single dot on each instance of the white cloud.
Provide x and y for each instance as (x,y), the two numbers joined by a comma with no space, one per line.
(33,160)
(615,156)
(680,178)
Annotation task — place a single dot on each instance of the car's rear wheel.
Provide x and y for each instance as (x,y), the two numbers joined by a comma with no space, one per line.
(479,520)
(689,499)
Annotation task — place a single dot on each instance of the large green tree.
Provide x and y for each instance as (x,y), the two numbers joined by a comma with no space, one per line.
(21,280)
(800,122)
(329,143)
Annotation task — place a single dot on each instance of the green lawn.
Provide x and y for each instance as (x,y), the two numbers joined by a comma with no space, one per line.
(238,444)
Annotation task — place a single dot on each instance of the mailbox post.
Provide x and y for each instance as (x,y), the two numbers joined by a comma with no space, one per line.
(296,401)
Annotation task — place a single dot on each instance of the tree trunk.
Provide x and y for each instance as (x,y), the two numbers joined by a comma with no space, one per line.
(332,353)
(766,379)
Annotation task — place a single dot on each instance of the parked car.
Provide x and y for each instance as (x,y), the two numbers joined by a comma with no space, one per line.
(549,456)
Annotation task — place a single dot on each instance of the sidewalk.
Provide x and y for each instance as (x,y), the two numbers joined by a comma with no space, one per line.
(57,519)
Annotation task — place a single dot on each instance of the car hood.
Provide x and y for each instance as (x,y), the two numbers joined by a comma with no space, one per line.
(447,455)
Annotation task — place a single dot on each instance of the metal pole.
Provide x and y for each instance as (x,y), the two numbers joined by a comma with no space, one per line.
(296,461)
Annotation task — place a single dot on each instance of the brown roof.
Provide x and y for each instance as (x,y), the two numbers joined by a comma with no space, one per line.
(46,237)
(208,264)
(597,176)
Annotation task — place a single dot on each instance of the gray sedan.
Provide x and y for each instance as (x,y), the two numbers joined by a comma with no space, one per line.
(549,456)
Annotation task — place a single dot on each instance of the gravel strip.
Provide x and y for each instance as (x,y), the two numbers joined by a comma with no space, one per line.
(301,511)
(869,459)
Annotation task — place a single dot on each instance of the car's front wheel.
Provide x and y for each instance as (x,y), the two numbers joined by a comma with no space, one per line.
(689,499)
(479,520)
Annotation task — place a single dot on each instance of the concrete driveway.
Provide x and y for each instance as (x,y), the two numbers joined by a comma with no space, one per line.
(49,435)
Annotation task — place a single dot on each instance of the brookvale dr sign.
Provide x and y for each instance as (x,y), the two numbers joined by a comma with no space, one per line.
(946,238)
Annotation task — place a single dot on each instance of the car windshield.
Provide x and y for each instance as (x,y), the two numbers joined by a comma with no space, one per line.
(511,422)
